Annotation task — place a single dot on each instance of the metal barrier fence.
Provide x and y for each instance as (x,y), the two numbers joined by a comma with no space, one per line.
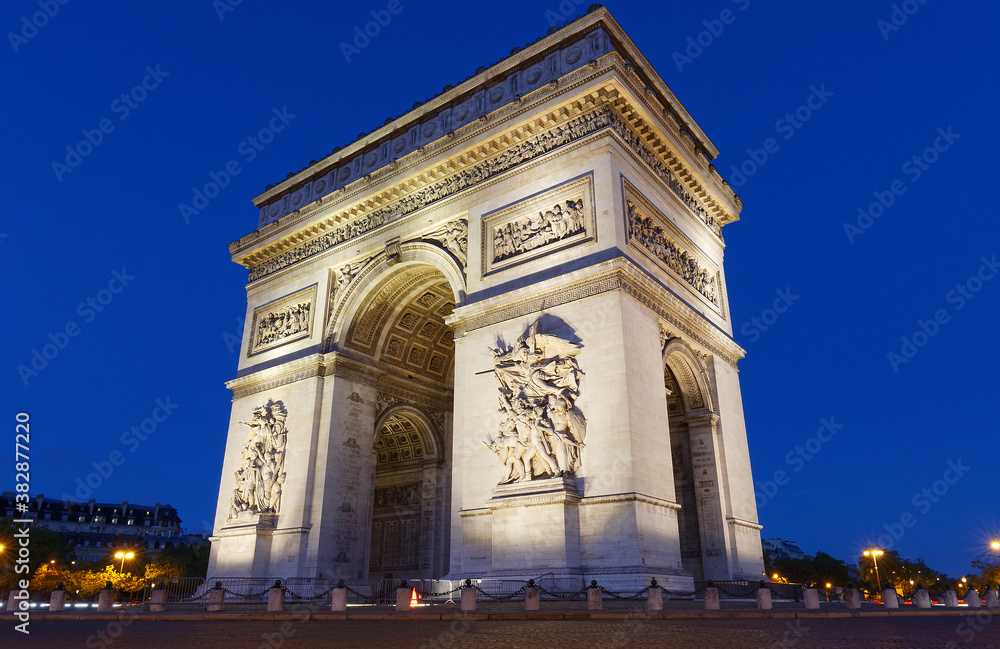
(190,590)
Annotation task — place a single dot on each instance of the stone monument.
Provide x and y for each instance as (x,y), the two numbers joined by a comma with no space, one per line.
(491,338)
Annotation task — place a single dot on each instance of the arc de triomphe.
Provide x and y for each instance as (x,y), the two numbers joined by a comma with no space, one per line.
(492,338)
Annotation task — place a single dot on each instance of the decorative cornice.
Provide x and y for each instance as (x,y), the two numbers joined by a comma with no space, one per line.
(629,498)
(297,370)
(737,522)
(618,274)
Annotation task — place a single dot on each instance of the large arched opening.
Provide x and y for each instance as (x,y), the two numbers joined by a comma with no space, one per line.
(397,328)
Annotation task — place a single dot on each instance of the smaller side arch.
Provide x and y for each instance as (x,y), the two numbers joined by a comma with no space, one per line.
(432,443)
(695,387)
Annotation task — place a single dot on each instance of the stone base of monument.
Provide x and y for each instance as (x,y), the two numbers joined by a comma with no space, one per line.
(811,598)
(57,602)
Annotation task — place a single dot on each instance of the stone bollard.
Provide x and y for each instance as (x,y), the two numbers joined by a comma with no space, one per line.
(921,598)
(949,598)
(403,597)
(594,601)
(711,597)
(57,601)
(852,596)
(215,598)
(811,598)
(972,598)
(889,598)
(158,601)
(12,601)
(106,598)
(276,597)
(991,598)
(763,597)
(654,597)
(338,601)
(468,596)
(532,602)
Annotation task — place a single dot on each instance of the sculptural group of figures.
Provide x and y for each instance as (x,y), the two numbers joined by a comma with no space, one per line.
(530,232)
(282,323)
(652,237)
(542,431)
(261,474)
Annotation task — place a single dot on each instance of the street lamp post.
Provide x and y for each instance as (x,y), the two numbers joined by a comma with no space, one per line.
(874,553)
(123,556)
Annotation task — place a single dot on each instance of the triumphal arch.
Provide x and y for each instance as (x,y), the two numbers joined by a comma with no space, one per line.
(491,338)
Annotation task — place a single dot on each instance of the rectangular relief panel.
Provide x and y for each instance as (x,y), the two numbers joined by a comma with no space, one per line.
(657,238)
(281,321)
(552,220)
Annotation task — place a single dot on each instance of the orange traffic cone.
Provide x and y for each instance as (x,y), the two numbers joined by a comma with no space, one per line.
(413,598)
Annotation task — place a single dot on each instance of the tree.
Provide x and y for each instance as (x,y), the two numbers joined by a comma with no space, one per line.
(45,546)
(180,561)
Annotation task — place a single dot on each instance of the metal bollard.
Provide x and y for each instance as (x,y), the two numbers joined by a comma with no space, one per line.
(106,598)
(276,597)
(338,601)
(654,597)
(468,596)
(532,602)
(594,601)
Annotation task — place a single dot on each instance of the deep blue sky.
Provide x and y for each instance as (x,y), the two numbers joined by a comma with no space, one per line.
(164,334)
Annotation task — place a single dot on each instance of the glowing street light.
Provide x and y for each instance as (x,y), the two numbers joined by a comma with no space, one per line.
(874,553)
(123,556)
(995,544)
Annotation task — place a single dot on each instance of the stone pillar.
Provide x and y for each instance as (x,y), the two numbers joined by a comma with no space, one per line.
(276,597)
(949,598)
(991,598)
(158,601)
(403,597)
(654,597)
(338,601)
(215,598)
(531,600)
(468,596)
(594,601)
(811,597)
(889,598)
(852,596)
(718,558)
(972,598)
(106,598)
(57,602)
(921,598)
(711,598)
(763,597)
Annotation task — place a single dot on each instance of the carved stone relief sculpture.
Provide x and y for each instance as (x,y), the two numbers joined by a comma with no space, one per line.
(651,236)
(541,430)
(282,321)
(262,472)
(535,230)
(454,235)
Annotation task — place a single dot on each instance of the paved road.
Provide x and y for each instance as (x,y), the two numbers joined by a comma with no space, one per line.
(969,632)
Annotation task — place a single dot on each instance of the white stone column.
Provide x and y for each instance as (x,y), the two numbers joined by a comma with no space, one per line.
(710,497)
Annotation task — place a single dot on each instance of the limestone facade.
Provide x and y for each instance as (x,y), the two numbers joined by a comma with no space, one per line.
(497,333)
